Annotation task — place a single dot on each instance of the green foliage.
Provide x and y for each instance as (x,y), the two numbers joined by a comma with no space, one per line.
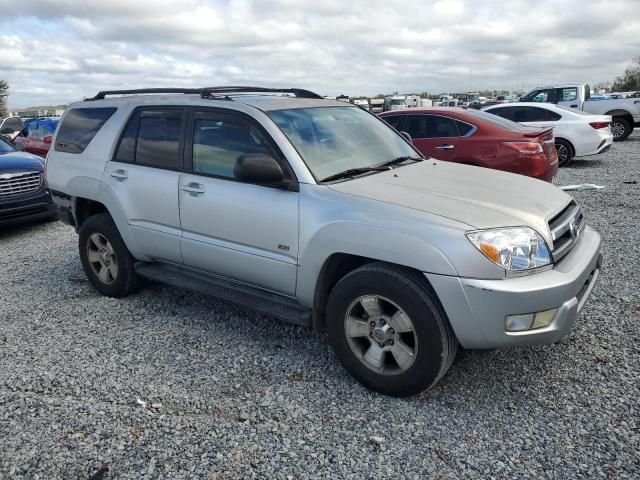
(4,93)
(630,80)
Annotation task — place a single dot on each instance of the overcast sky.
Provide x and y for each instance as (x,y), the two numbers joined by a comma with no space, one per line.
(58,51)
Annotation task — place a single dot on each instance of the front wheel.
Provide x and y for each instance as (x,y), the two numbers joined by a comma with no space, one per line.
(389,331)
(105,257)
(620,128)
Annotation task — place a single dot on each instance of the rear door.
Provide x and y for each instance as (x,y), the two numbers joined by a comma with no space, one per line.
(144,174)
(435,136)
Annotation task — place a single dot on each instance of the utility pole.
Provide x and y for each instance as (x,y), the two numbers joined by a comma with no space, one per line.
(518,78)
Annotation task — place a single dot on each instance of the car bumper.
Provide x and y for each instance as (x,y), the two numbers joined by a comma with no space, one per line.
(24,209)
(477,309)
(604,144)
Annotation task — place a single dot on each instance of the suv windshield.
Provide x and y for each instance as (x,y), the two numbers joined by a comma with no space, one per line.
(6,147)
(331,140)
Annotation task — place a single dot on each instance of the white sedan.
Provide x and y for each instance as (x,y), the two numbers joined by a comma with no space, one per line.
(577,134)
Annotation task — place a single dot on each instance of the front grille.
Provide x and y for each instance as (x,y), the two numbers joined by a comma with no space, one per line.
(12,184)
(566,228)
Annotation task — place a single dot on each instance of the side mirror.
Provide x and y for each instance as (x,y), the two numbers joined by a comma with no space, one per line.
(258,168)
(407,136)
(48,139)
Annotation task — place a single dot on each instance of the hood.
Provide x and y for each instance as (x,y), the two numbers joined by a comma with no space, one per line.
(20,161)
(479,197)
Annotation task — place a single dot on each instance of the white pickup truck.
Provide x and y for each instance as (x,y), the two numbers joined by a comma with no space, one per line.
(625,112)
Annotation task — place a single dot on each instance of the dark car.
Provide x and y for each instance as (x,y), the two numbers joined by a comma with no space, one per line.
(36,136)
(23,195)
(476,138)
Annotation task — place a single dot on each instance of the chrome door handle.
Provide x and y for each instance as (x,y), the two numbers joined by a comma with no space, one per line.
(445,147)
(119,174)
(193,188)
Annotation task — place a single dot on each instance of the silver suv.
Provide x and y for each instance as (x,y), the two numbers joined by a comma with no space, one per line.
(317,212)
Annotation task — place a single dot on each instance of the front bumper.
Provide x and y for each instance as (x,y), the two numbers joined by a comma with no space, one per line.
(477,309)
(27,208)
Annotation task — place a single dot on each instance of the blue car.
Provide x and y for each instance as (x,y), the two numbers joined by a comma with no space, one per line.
(23,195)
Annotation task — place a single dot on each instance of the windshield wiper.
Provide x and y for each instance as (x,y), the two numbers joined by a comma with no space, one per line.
(398,160)
(355,171)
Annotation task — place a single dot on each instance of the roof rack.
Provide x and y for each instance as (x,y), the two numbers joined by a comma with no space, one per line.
(207,92)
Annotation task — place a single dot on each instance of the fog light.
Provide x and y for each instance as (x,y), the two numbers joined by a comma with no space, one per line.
(519,323)
(544,319)
(530,321)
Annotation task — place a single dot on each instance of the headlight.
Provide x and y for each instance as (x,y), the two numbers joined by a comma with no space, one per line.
(514,249)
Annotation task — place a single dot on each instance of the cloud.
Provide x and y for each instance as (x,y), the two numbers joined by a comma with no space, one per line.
(54,51)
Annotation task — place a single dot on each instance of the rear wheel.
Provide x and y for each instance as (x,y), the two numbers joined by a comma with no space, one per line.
(105,257)
(389,331)
(621,129)
(565,152)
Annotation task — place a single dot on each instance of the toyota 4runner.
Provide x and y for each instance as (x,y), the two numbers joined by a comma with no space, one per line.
(318,213)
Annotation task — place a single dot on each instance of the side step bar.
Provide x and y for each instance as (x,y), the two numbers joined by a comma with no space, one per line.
(256,299)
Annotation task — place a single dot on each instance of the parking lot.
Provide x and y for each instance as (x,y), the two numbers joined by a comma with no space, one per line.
(168,383)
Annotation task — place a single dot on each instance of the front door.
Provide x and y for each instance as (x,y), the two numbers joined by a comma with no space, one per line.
(144,176)
(237,230)
(436,136)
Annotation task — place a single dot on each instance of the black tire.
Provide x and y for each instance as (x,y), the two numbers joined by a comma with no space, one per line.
(436,342)
(567,152)
(124,281)
(621,129)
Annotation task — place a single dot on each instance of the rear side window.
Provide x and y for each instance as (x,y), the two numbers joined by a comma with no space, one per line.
(464,128)
(431,126)
(79,127)
(152,138)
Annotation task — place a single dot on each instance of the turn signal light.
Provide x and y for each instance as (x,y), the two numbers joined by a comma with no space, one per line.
(599,125)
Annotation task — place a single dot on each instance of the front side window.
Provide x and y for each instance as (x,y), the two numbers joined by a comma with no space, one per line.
(542,96)
(394,120)
(12,123)
(331,140)
(79,126)
(219,141)
(431,126)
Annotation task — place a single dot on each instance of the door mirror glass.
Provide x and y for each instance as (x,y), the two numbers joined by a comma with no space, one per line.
(407,136)
(258,168)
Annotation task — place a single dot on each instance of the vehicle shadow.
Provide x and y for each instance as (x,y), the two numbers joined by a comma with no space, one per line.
(578,163)
(23,227)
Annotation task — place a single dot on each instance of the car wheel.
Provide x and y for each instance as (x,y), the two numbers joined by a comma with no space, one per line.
(565,152)
(620,128)
(105,257)
(389,331)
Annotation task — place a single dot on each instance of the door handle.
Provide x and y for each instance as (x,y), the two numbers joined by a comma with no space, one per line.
(445,147)
(119,174)
(193,188)
(574,106)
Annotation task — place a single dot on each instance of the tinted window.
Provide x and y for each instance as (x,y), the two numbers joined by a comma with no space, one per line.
(127,148)
(529,114)
(394,120)
(158,141)
(542,96)
(79,127)
(504,112)
(464,128)
(218,142)
(6,147)
(431,126)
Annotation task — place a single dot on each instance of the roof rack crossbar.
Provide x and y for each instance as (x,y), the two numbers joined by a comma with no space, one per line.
(103,94)
(208,92)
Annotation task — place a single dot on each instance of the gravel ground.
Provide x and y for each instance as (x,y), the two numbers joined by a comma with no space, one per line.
(170,384)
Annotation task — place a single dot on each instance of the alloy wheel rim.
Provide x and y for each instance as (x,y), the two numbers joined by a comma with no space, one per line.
(102,259)
(381,335)
(617,129)
(562,152)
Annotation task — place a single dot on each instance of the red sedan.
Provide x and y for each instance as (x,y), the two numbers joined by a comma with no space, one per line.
(36,136)
(478,138)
